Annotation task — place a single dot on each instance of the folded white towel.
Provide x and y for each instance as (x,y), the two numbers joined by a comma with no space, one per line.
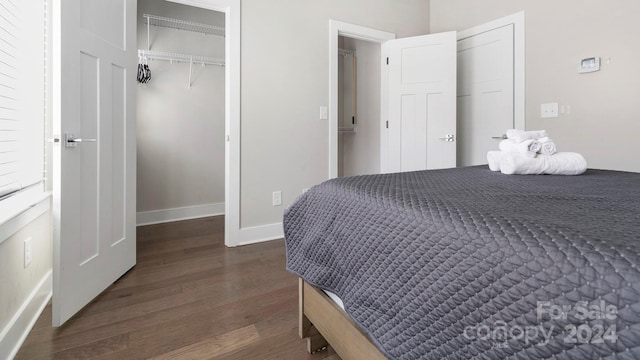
(520,135)
(493,159)
(508,145)
(548,147)
(562,163)
(535,146)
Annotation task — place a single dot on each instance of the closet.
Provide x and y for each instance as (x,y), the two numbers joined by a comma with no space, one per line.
(181,112)
(358,107)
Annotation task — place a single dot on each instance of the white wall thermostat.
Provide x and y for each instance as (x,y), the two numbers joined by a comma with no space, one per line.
(589,65)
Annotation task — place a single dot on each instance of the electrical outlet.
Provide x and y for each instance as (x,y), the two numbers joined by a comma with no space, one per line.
(28,254)
(277,198)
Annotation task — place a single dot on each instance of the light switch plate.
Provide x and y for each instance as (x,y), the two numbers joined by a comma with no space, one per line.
(549,110)
(324,113)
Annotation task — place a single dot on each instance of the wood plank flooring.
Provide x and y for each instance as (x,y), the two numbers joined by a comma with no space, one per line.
(188,297)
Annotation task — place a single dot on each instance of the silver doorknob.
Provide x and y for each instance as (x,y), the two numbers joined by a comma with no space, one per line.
(447,138)
(70,140)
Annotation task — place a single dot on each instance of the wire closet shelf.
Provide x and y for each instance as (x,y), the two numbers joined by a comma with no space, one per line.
(178,24)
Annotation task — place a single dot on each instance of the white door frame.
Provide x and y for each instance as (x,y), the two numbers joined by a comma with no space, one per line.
(336,29)
(231,8)
(517,20)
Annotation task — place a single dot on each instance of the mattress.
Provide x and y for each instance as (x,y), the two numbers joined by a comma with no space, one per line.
(335,298)
(466,263)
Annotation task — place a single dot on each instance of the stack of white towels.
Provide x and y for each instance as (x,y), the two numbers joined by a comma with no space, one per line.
(533,152)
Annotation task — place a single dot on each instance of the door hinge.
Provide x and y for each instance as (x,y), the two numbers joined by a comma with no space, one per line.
(387,124)
(387,60)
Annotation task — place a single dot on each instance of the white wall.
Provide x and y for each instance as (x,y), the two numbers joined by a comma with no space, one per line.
(180,129)
(361,150)
(603,121)
(285,79)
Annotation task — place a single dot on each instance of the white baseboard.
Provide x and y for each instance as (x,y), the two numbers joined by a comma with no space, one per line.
(260,233)
(176,214)
(16,331)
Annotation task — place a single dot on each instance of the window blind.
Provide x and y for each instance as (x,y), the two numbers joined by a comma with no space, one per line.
(22,95)
(8,98)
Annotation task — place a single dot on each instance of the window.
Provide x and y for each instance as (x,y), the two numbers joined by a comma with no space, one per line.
(22,101)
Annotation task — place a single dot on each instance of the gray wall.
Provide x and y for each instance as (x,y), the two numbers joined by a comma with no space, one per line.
(603,122)
(180,129)
(285,79)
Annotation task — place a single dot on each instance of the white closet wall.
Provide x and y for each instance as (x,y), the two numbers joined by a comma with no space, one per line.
(180,128)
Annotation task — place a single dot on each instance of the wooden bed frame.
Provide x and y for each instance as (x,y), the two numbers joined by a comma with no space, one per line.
(322,322)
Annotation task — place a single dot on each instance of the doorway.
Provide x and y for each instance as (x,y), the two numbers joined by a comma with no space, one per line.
(358,107)
(180,112)
(361,34)
(65,257)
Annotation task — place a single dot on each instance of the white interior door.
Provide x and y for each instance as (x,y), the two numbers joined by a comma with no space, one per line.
(421,103)
(485,92)
(94,181)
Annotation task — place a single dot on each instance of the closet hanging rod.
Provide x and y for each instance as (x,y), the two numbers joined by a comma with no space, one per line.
(183,25)
(192,59)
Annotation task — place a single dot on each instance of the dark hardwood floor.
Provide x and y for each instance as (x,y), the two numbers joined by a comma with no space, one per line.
(188,297)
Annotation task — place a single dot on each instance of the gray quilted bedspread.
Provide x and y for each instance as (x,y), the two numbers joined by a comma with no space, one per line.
(470,264)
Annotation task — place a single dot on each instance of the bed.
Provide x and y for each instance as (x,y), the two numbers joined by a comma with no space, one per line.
(467,263)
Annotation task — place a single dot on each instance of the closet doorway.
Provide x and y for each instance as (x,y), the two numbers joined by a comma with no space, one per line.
(180,112)
(355,80)
(358,107)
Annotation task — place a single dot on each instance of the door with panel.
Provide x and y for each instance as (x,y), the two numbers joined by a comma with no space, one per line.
(485,93)
(94,159)
(420,130)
